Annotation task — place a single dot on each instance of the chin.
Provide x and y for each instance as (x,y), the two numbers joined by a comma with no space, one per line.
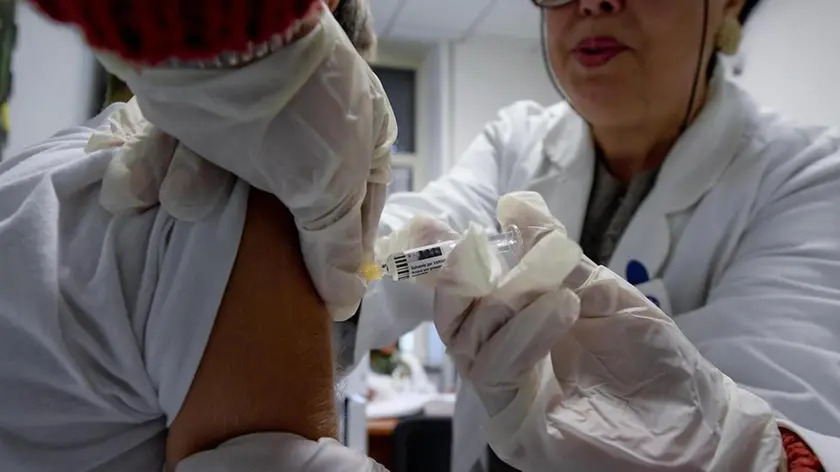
(599,103)
(600,112)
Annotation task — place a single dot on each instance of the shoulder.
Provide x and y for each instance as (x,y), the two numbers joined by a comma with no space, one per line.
(117,279)
(790,155)
(66,144)
(530,119)
(521,128)
(60,269)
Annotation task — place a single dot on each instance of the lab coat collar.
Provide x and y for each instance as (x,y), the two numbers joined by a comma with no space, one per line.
(568,180)
(569,141)
(695,162)
(692,168)
(705,149)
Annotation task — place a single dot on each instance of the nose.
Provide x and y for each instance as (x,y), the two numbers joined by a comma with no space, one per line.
(600,7)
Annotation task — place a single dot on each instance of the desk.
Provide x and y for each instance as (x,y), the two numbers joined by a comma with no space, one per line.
(380,440)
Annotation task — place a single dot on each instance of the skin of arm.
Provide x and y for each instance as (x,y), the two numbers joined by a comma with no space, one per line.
(268,365)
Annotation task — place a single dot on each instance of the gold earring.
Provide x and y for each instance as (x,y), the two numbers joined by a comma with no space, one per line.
(728,38)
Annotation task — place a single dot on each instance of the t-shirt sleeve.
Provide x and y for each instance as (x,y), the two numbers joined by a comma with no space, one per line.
(194,263)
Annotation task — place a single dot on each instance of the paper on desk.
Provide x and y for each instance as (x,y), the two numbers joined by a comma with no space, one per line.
(408,404)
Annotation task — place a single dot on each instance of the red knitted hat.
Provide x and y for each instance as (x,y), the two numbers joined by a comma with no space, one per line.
(152,31)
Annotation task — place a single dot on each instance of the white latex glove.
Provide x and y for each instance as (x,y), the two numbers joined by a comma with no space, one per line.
(310,123)
(274,452)
(420,231)
(628,385)
(624,390)
(152,168)
(498,326)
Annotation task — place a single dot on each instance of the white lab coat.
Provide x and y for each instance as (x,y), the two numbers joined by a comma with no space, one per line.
(740,238)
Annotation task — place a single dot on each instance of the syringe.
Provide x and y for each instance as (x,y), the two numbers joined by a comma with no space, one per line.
(413,263)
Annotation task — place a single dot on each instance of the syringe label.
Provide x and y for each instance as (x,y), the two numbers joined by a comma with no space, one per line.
(417,263)
(401,264)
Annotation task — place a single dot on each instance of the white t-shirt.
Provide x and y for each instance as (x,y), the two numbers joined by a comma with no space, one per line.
(103,318)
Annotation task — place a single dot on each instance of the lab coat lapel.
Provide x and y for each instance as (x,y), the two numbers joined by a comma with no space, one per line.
(693,167)
(567,180)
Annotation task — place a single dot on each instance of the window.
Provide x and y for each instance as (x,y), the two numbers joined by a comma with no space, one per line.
(401,86)
(402,179)
(404,75)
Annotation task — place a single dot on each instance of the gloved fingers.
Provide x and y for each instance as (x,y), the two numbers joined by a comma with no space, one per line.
(423,231)
(616,317)
(473,271)
(133,178)
(470,273)
(511,348)
(543,268)
(123,125)
(333,256)
(330,127)
(371,211)
(385,125)
(472,268)
(549,257)
(279,451)
(606,294)
(530,214)
(541,271)
(419,232)
(622,341)
(193,186)
(583,272)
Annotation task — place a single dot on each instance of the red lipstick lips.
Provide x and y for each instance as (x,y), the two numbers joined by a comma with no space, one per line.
(597,51)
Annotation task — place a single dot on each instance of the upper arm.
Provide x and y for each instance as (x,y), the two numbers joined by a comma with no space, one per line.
(772,322)
(267,365)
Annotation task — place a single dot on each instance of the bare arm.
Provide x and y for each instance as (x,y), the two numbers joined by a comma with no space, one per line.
(268,363)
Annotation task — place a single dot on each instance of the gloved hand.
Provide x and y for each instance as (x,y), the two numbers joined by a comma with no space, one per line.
(272,452)
(310,123)
(625,389)
(151,168)
(646,396)
(498,326)
(420,231)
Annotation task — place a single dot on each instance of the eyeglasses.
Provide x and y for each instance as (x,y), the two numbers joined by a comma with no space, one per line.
(551,3)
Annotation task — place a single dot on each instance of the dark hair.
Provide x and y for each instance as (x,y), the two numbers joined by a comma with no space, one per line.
(356,20)
(747,11)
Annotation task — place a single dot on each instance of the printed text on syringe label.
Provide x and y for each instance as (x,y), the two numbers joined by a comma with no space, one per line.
(416,263)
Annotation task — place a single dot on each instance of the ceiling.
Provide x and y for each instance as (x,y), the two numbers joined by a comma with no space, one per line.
(433,20)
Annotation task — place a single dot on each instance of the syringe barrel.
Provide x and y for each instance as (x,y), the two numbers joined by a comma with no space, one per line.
(420,261)
(509,241)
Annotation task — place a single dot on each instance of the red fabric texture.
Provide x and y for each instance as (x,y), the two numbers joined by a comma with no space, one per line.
(800,457)
(152,31)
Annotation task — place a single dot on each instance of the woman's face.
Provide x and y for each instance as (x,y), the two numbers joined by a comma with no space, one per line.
(624,62)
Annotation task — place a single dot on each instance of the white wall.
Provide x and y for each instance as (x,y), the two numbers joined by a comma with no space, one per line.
(791,62)
(53,80)
(487,74)
(436,93)
(462,87)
